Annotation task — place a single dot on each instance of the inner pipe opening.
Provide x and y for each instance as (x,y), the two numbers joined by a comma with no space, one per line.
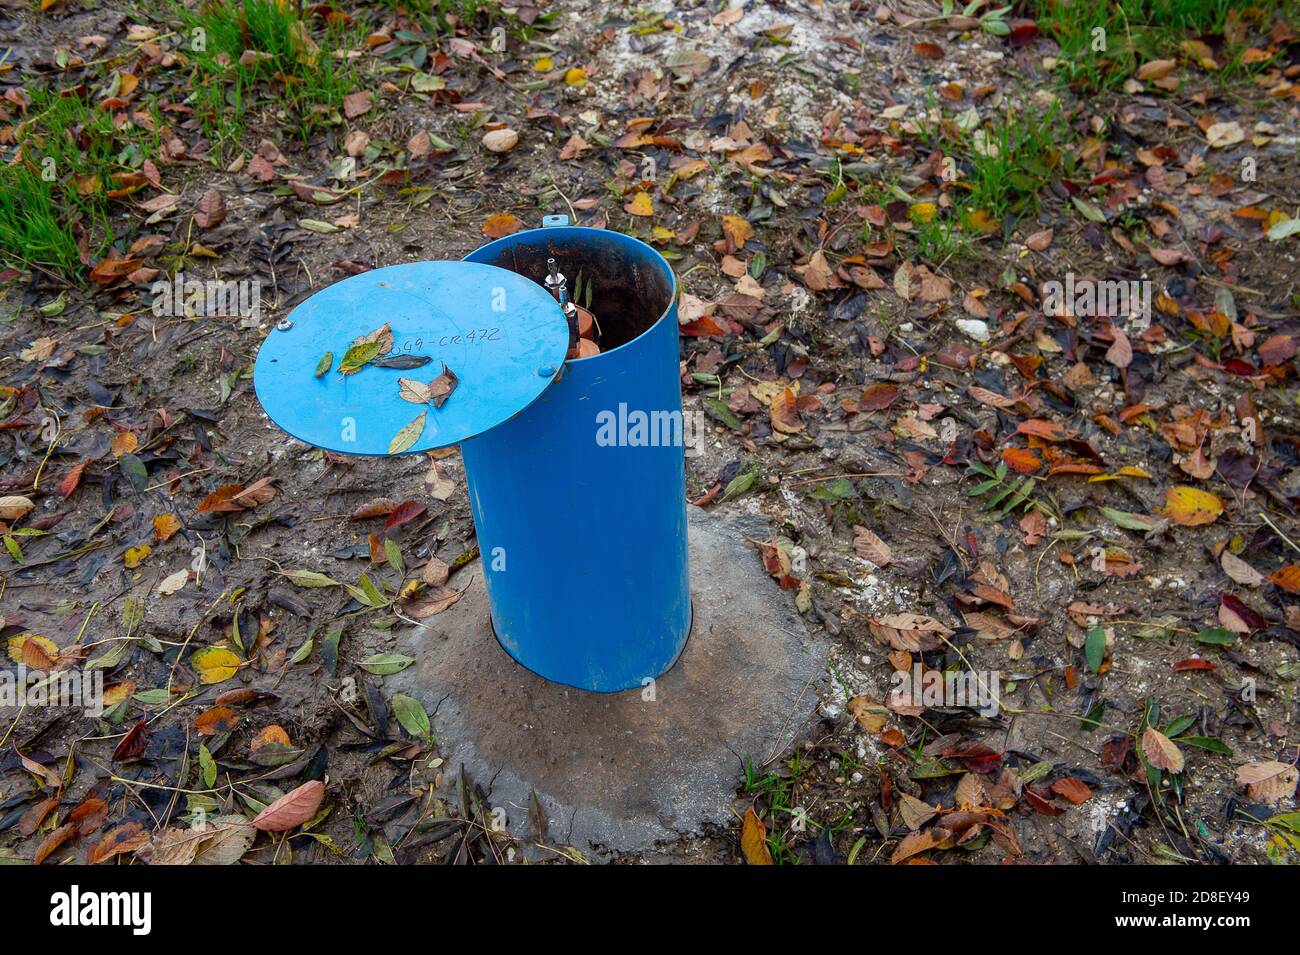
(629,291)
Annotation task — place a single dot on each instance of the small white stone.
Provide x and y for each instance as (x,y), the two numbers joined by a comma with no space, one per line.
(974,328)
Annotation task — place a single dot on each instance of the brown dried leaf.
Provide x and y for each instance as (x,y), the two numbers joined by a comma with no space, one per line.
(868,545)
(1268,781)
(125,838)
(211,210)
(52,842)
(292,809)
(1161,752)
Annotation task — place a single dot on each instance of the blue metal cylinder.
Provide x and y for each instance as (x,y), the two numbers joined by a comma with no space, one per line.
(579,501)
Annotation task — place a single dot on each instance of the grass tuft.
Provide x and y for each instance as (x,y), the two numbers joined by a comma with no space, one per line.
(248,52)
(1137,31)
(57,186)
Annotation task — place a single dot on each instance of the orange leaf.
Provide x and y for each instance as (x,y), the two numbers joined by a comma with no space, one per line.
(501,224)
(218,719)
(72,479)
(1288,578)
(273,735)
(1046,430)
(785,413)
(55,839)
(737,230)
(1022,460)
(164,526)
(109,270)
(878,397)
(1072,790)
(221,500)
(1073,467)
(753,840)
(124,443)
(89,816)
(125,838)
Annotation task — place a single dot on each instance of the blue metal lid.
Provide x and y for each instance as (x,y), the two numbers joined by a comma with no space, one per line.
(410,357)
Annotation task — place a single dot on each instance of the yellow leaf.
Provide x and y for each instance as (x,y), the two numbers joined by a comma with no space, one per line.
(753,839)
(737,230)
(1191,506)
(691,169)
(164,526)
(118,692)
(640,205)
(214,664)
(869,714)
(18,654)
(981,221)
(924,212)
(124,443)
(135,556)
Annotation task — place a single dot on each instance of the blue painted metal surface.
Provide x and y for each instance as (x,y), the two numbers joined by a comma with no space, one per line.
(502,334)
(580,514)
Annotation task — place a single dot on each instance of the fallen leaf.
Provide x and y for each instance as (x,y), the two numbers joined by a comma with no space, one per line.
(408,435)
(214,664)
(357,104)
(1222,135)
(211,210)
(292,809)
(869,546)
(1161,752)
(1191,506)
(753,840)
(501,224)
(1268,781)
(125,838)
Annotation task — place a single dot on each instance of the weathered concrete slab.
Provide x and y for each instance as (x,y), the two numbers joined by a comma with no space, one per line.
(624,771)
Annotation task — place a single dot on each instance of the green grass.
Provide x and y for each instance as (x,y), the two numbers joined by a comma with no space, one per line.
(1137,31)
(435,14)
(290,62)
(32,231)
(779,791)
(55,189)
(1021,154)
(1005,164)
(941,240)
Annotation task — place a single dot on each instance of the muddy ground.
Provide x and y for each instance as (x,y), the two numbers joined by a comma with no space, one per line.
(823,350)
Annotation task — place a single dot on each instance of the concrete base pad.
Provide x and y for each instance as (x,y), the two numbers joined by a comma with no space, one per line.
(622,771)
